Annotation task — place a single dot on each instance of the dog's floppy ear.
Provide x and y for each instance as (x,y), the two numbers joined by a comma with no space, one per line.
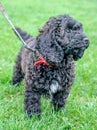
(46,42)
(49,48)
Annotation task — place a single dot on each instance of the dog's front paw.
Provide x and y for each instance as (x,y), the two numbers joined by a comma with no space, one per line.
(32,111)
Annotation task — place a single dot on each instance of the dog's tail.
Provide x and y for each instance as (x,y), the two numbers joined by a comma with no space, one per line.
(25,36)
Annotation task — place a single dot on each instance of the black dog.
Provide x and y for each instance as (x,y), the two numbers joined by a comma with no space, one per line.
(51,69)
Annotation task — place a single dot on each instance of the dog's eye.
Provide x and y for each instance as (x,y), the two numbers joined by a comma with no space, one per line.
(70,27)
(76,27)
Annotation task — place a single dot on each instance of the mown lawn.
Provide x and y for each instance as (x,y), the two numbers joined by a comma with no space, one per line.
(80,112)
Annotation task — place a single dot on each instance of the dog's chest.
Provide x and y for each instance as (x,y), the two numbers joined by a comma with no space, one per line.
(50,78)
(55,86)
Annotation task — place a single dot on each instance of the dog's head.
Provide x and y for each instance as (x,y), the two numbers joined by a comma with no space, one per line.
(61,37)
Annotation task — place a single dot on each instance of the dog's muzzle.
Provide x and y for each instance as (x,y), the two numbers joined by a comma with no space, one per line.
(79,52)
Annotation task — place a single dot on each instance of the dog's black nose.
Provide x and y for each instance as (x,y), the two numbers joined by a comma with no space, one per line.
(86,41)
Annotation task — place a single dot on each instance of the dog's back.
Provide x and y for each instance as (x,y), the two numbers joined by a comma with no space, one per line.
(23,56)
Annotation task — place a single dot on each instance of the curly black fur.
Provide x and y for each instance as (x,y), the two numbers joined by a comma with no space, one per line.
(61,41)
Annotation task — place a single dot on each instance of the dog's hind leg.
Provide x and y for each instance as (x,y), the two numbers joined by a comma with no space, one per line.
(17,72)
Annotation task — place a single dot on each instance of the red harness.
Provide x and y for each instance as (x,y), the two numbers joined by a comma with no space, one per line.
(41,61)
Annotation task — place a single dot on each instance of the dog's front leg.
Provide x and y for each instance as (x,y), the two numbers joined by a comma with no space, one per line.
(58,100)
(32,102)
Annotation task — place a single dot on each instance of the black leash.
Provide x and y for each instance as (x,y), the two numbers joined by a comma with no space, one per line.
(13,28)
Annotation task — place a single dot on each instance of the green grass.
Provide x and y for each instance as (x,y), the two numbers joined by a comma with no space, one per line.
(80,112)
